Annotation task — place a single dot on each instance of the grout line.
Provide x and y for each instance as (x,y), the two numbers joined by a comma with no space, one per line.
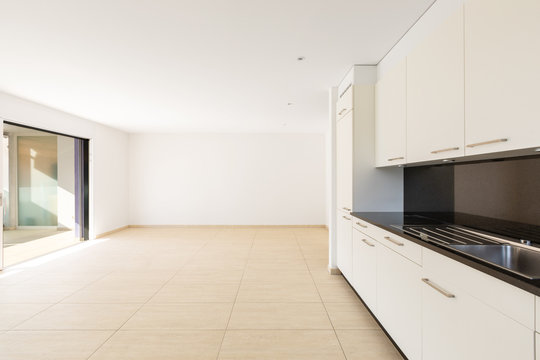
(318,292)
(56,303)
(236,297)
(150,298)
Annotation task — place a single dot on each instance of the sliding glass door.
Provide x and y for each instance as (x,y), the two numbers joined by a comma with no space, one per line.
(45,192)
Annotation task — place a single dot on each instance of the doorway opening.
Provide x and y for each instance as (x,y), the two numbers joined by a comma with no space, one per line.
(45,192)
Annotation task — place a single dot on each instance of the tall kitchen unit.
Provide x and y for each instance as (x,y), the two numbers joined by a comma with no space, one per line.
(359,185)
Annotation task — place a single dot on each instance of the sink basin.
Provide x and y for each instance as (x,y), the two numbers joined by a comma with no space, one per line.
(518,260)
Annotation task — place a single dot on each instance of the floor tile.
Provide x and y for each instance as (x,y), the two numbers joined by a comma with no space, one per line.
(337,293)
(115,293)
(278,292)
(162,345)
(280,344)
(81,317)
(350,316)
(50,345)
(13,314)
(279,316)
(196,292)
(367,345)
(193,316)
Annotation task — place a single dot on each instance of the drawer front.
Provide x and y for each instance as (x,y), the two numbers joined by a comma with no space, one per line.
(505,298)
(344,103)
(400,245)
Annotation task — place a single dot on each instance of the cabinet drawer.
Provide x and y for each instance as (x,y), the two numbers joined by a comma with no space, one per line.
(345,102)
(400,245)
(507,299)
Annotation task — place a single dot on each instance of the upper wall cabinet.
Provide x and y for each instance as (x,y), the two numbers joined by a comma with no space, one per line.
(435,98)
(502,58)
(391,115)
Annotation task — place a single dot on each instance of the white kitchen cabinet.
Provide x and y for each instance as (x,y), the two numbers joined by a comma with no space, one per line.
(502,76)
(365,268)
(344,245)
(435,94)
(344,102)
(456,324)
(399,300)
(344,162)
(391,116)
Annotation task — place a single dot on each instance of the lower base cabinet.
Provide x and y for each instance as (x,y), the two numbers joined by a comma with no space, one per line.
(456,325)
(399,300)
(442,309)
(365,268)
(344,244)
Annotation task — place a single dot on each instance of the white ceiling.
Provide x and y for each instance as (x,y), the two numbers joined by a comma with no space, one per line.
(178,65)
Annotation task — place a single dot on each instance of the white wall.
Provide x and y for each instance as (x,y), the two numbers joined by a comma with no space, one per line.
(227,179)
(108,157)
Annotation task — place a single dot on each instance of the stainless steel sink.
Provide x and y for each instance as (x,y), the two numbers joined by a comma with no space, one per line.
(518,260)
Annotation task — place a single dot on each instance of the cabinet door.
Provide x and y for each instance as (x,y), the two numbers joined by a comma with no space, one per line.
(399,299)
(435,94)
(443,334)
(365,268)
(463,326)
(391,116)
(502,75)
(344,162)
(344,245)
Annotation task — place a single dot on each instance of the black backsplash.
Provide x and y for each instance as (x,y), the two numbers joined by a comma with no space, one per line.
(502,194)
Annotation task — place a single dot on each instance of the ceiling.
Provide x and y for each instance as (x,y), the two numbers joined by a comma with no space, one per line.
(178,65)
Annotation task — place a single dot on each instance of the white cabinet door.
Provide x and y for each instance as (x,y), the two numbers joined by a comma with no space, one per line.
(442,329)
(344,244)
(435,94)
(391,116)
(399,299)
(462,326)
(365,268)
(344,162)
(345,102)
(502,75)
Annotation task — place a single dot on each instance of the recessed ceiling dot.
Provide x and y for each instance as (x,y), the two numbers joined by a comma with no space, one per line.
(301,58)
(290,104)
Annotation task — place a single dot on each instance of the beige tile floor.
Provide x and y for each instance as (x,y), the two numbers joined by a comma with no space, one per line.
(187,293)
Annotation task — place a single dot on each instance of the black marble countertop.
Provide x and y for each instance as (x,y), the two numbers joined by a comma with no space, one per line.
(385,220)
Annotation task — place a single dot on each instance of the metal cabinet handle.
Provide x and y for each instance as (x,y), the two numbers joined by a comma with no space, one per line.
(346,217)
(361,225)
(396,158)
(444,150)
(487,142)
(438,288)
(398,243)
(346,209)
(342,111)
(367,243)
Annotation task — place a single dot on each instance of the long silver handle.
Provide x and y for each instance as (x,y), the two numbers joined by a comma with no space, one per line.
(360,224)
(438,288)
(487,142)
(396,158)
(444,150)
(342,111)
(346,209)
(398,243)
(346,217)
(367,243)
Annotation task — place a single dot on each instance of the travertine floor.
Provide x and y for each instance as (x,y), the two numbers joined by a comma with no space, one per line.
(187,294)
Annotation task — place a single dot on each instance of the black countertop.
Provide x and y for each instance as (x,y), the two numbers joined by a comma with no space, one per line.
(385,220)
